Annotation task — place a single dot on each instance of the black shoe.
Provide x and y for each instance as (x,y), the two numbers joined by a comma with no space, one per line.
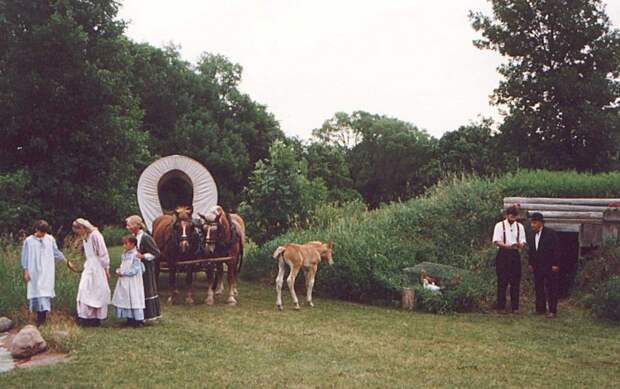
(138,324)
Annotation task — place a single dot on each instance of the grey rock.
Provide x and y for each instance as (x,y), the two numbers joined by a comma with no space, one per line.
(5,324)
(447,275)
(27,342)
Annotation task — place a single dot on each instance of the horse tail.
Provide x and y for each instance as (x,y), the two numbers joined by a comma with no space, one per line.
(240,262)
(279,253)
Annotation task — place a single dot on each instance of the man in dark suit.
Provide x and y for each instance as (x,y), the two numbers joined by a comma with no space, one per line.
(544,262)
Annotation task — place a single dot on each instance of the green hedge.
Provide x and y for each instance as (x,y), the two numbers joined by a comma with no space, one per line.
(451,224)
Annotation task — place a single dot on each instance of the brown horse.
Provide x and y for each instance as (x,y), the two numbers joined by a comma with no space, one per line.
(175,237)
(224,237)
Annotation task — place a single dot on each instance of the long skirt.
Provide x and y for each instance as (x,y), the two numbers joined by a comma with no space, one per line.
(40,304)
(151,297)
(128,313)
(94,292)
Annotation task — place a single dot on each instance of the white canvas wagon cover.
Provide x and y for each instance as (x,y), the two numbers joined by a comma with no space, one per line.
(165,171)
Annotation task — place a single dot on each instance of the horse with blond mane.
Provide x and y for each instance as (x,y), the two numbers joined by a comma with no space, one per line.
(224,236)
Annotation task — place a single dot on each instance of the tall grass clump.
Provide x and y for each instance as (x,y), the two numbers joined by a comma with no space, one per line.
(451,224)
(606,300)
(13,286)
(113,235)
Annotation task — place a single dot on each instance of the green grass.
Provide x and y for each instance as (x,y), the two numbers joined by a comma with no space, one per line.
(335,344)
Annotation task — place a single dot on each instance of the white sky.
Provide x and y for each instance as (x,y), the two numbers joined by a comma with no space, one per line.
(306,60)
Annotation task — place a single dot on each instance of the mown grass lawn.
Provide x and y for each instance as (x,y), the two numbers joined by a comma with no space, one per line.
(335,344)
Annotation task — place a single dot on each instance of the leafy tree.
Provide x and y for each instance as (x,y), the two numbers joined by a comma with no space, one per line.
(473,149)
(164,84)
(561,82)
(342,130)
(198,111)
(16,208)
(66,113)
(280,195)
(389,159)
(330,164)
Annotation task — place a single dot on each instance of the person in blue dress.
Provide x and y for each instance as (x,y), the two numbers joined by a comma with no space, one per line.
(128,298)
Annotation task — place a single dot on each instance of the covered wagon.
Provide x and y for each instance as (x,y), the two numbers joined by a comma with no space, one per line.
(174,194)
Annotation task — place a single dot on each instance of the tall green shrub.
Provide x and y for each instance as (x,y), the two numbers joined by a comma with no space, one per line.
(280,195)
(606,300)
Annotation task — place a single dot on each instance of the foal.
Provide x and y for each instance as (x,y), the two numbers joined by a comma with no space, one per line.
(298,256)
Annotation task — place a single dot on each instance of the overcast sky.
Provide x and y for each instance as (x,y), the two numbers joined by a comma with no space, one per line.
(305,60)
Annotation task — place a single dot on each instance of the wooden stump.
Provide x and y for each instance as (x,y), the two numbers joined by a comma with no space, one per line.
(408,298)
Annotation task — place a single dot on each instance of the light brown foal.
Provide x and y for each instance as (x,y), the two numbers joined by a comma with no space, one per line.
(300,256)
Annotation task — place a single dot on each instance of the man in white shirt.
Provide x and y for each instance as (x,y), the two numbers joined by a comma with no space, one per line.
(509,236)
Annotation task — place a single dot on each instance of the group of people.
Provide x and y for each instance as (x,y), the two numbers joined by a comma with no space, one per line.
(543,261)
(135,297)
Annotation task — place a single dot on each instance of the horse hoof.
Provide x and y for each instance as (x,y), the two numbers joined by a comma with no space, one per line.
(310,303)
(218,292)
(209,301)
(280,307)
(232,301)
(296,307)
(189,301)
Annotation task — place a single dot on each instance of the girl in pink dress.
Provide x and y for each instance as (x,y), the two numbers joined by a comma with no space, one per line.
(94,292)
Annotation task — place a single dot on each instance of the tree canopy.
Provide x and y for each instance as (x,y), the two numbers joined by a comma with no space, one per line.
(561,85)
(83,110)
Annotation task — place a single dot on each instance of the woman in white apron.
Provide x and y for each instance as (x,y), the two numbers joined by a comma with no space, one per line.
(94,292)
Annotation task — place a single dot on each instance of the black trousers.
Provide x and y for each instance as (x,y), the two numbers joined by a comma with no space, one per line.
(41,317)
(508,268)
(547,287)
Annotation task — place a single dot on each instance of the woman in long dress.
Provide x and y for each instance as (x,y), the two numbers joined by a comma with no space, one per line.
(148,252)
(94,292)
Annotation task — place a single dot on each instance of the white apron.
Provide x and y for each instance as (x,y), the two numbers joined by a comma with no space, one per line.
(129,292)
(94,290)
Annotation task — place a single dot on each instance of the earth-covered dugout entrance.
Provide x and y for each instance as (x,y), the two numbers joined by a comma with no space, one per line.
(583,224)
